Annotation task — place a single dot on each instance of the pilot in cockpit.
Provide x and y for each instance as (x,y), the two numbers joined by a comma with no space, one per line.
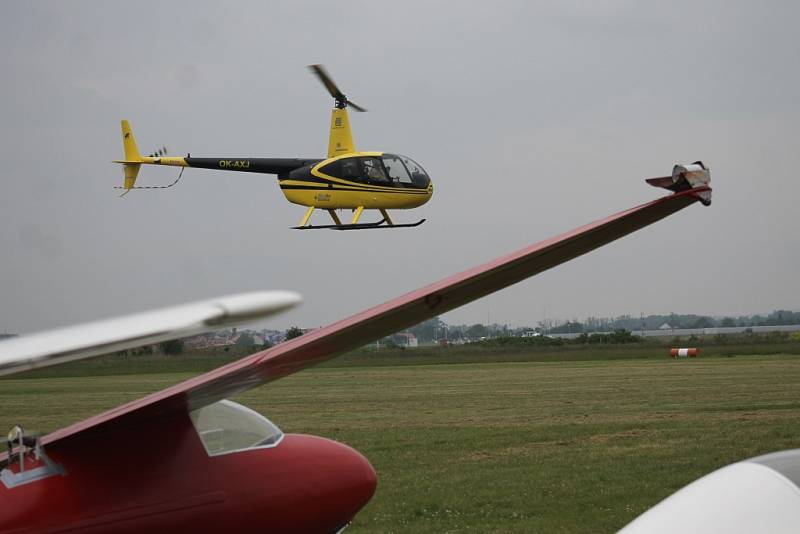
(374,171)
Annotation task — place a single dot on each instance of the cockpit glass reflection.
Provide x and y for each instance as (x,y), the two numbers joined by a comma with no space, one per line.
(397,170)
(418,174)
(227,426)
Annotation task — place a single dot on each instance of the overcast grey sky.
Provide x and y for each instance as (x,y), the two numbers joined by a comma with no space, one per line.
(531,117)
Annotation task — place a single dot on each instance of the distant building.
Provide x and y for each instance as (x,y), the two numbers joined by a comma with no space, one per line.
(207,341)
(276,337)
(406,339)
(665,326)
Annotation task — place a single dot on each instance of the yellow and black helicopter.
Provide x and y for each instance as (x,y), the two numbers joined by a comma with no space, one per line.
(346,179)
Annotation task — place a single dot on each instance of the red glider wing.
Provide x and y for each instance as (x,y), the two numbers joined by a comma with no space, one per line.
(384,319)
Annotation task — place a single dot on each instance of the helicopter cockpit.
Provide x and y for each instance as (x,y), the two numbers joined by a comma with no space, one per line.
(388,170)
(406,171)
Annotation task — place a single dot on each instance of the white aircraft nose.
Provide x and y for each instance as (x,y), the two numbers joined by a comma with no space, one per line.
(757,495)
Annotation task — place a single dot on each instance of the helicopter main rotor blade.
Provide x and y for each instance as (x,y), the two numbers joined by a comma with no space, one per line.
(355,106)
(326,80)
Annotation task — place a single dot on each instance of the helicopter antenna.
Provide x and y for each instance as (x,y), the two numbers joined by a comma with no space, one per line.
(341,100)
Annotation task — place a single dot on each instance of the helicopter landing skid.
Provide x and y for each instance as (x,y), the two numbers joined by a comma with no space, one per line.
(359,226)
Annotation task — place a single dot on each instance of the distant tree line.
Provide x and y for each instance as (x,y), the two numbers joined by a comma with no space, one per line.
(592,330)
(436,330)
(675,321)
(617,337)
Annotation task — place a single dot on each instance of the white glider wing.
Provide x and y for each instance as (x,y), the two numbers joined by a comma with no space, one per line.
(130,331)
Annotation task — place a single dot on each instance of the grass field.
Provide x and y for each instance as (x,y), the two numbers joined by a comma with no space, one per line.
(520,446)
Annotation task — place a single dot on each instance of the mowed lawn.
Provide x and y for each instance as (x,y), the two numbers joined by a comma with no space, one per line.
(579,446)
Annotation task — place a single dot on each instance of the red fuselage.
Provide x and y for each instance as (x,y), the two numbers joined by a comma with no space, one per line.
(158,477)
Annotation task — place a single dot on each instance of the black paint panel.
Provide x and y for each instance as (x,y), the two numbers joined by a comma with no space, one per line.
(279,166)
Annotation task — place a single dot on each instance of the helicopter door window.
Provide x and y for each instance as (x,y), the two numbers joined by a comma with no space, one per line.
(396,170)
(346,169)
(373,171)
(332,169)
(350,169)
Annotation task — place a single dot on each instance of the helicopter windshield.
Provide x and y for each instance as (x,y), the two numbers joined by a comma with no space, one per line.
(397,170)
(419,178)
(388,170)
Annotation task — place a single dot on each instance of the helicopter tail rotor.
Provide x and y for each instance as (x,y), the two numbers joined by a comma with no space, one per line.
(133,161)
(341,100)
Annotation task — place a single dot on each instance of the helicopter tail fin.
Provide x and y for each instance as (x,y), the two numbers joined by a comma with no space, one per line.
(131,172)
(133,159)
(129,143)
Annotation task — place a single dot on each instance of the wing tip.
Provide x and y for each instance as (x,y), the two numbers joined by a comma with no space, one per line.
(257,304)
